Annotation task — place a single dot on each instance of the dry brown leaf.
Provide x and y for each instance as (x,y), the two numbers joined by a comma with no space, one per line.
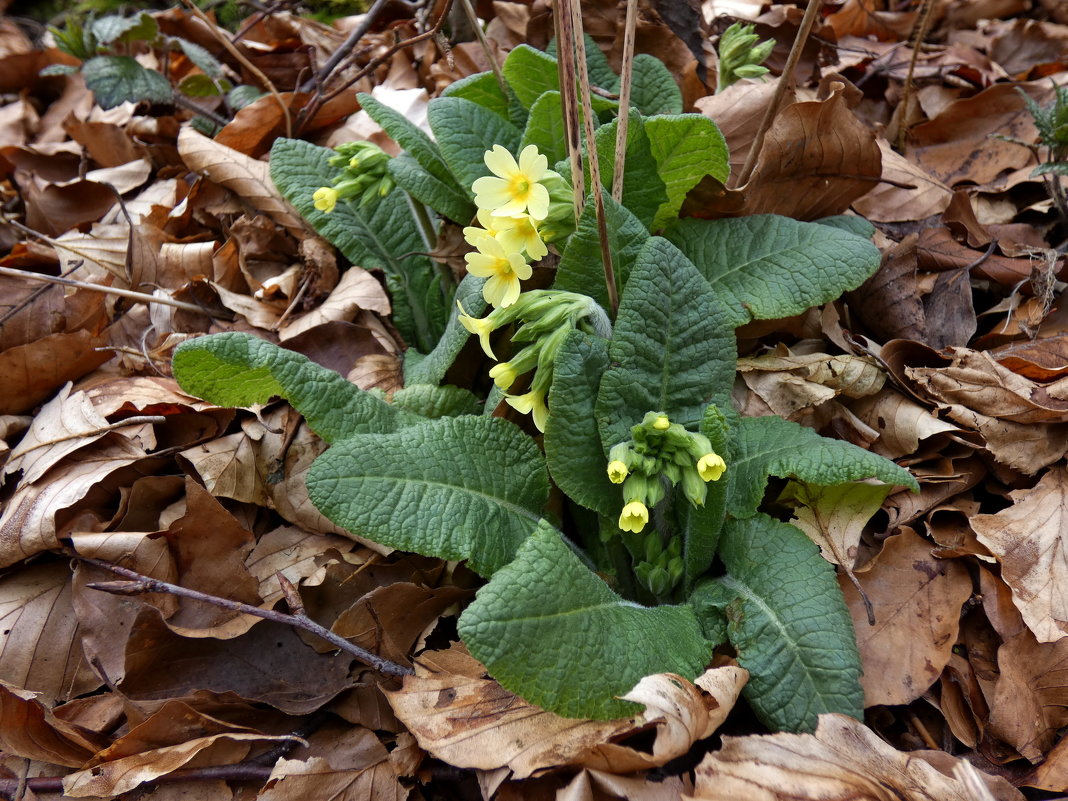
(356,290)
(917,601)
(40,641)
(298,555)
(788,382)
(902,423)
(228,468)
(1028,540)
(32,372)
(1028,704)
(29,729)
(909,192)
(246,177)
(842,761)
(471,721)
(596,785)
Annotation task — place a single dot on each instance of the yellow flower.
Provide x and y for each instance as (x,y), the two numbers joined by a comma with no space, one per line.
(473,234)
(325,198)
(503,375)
(480,327)
(520,233)
(503,269)
(533,403)
(634,517)
(662,423)
(515,190)
(617,471)
(710,467)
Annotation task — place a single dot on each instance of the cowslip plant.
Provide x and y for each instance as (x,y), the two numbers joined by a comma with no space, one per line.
(656,551)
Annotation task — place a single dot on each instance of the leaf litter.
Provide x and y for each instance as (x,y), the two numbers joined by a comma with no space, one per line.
(951,359)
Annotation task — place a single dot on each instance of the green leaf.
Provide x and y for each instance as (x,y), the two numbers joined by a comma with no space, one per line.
(483,89)
(545,127)
(465,131)
(456,488)
(120,79)
(59,69)
(765,266)
(431,368)
(427,400)
(552,632)
(580,268)
(530,73)
(598,69)
(138,28)
(644,191)
(788,622)
(687,147)
(849,222)
(198,85)
(208,64)
(771,446)
(572,442)
(653,90)
(444,197)
(672,350)
(244,95)
(236,369)
(380,234)
(410,137)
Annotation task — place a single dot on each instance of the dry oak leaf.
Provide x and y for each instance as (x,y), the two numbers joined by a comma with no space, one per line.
(357,289)
(842,761)
(470,721)
(916,600)
(909,191)
(1028,539)
(29,729)
(246,177)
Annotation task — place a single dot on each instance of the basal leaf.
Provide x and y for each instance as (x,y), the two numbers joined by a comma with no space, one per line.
(200,56)
(410,137)
(552,632)
(849,222)
(142,27)
(545,127)
(381,234)
(444,197)
(672,350)
(237,369)
(653,90)
(686,147)
(432,402)
(119,79)
(581,269)
(457,488)
(644,191)
(530,73)
(765,266)
(786,618)
(431,368)
(465,131)
(771,446)
(572,442)
(700,526)
(483,89)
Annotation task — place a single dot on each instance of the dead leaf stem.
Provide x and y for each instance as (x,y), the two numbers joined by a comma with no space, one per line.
(491,57)
(565,61)
(923,25)
(139,584)
(786,80)
(140,297)
(626,76)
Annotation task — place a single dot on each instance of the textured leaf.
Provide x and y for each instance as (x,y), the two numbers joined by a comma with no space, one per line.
(644,191)
(787,620)
(443,197)
(380,234)
(237,369)
(120,79)
(764,267)
(687,147)
(457,488)
(409,136)
(431,368)
(482,89)
(653,90)
(849,222)
(208,64)
(427,400)
(580,268)
(572,443)
(552,632)
(465,131)
(771,446)
(700,527)
(672,350)
(530,73)
(137,28)
(545,127)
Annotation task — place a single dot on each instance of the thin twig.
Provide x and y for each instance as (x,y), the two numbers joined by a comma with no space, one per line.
(184,102)
(237,54)
(923,24)
(594,161)
(491,56)
(129,421)
(140,297)
(625,77)
(565,62)
(786,80)
(346,47)
(139,584)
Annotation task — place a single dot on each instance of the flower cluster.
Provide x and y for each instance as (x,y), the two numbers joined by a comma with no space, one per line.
(660,454)
(517,208)
(363,174)
(546,317)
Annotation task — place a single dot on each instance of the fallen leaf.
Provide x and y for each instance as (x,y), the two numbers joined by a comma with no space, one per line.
(842,760)
(916,600)
(30,730)
(356,290)
(1028,540)
(908,192)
